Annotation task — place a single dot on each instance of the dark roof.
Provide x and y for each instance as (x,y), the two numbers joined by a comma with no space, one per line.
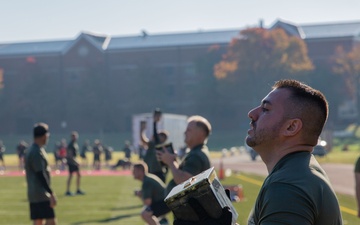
(107,43)
(177,39)
(326,30)
(290,28)
(33,47)
(329,30)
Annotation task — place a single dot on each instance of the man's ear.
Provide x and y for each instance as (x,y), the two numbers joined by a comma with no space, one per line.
(292,127)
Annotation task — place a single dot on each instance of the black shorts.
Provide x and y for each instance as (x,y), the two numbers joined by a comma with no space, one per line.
(41,210)
(73,168)
(159,208)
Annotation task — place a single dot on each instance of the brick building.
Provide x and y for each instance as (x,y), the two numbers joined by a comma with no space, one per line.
(98,82)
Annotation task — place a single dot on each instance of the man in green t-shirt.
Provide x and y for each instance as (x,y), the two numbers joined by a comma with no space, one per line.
(40,195)
(357,184)
(72,151)
(197,160)
(152,194)
(284,129)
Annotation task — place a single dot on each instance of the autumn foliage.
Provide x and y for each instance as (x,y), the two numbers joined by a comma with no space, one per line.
(262,52)
(347,64)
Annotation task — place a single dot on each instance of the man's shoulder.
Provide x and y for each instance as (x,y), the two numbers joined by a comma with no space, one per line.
(153,179)
(33,148)
(357,166)
(200,151)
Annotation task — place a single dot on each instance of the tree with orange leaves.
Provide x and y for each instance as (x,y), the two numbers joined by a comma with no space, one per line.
(347,64)
(259,57)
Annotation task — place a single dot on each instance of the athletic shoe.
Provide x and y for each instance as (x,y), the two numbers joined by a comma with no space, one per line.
(164,221)
(79,192)
(68,193)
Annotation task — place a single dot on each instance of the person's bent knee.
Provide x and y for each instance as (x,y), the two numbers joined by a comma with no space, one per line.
(146,215)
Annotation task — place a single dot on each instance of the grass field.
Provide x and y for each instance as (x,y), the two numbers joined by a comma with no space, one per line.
(110,200)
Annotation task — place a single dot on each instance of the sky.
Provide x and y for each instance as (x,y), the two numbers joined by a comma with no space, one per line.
(41,20)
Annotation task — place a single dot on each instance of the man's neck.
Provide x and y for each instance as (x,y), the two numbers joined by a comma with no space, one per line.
(39,143)
(195,145)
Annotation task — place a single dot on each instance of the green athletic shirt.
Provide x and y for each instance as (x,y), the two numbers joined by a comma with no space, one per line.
(195,162)
(357,166)
(153,188)
(36,161)
(71,152)
(150,159)
(296,192)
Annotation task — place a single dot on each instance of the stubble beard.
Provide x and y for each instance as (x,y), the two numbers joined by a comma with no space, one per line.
(262,136)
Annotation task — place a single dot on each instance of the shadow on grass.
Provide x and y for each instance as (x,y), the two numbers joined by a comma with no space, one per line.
(127,207)
(106,220)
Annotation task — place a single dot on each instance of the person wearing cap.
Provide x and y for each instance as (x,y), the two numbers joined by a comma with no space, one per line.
(40,195)
(196,160)
(73,166)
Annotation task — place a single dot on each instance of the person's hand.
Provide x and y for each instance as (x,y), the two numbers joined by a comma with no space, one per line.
(204,217)
(138,193)
(53,200)
(156,116)
(142,125)
(165,156)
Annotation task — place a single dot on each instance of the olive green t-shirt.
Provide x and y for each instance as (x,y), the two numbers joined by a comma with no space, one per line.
(71,152)
(153,188)
(297,192)
(357,166)
(36,161)
(150,159)
(195,162)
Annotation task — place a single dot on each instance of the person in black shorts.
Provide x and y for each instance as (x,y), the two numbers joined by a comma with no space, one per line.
(84,149)
(97,150)
(152,194)
(20,150)
(2,152)
(40,195)
(73,165)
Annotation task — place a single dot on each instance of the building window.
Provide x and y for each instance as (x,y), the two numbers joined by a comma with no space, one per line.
(166,69)
(73,74)
(189,69)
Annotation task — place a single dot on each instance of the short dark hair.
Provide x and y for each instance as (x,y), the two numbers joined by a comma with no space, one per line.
(40,129)
(201,122)
(157,111)
(308,104)
(142,166)
(164,134)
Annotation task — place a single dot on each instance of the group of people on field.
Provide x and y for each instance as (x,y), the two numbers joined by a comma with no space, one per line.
(97,149)
(20,151)
(283,130)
